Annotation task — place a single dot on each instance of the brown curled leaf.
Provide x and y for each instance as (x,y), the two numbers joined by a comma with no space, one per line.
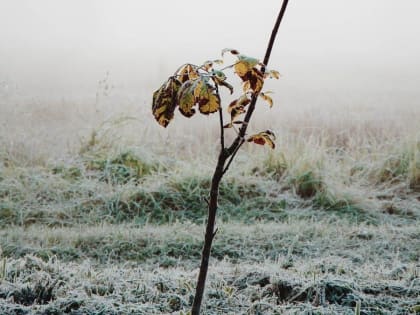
(237,107)
(230,50)
(253,81)
(266,137)
(267,98)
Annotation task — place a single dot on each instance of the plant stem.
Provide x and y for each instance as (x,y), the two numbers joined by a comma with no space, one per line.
(210,232)
(221,170)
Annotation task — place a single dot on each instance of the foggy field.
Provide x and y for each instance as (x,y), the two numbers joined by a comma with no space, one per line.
(103,211)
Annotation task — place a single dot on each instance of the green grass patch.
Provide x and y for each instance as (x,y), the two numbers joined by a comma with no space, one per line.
(185,199)
(120,169)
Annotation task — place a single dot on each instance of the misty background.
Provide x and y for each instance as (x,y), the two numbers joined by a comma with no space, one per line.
(347,54)
(61,47)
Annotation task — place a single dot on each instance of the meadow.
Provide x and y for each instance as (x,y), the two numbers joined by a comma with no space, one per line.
(102,211)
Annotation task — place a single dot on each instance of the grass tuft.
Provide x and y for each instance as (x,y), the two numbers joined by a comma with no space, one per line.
(120,169)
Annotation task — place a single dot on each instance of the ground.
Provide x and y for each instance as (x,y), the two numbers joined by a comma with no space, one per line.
(328,223)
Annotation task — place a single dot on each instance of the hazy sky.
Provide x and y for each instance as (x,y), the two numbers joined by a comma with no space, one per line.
(57,44)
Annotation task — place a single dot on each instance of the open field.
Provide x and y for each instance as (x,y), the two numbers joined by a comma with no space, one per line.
(103,211)
(110,219)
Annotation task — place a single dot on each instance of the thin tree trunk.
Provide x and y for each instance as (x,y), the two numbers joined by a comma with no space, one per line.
(210,233)
(220,170)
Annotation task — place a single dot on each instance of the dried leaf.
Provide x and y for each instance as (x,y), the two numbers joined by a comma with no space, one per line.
(201,92)
(245,64)
(219,78)
(272,74)
(187,72)
(237,107)
(218,75)
(247,86)
(210,105)
(236,112)
(267,98)
(266,137)
(230,125)
(165,101)
(241,68)
(252,77)
(232,51)
(207,98)
(253,81)
(208,65)
(241,101)
(186,98)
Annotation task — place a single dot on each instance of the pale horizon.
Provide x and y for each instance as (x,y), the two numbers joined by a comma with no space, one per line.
(61,49)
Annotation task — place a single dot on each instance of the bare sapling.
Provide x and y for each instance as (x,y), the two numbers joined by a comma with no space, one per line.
(194,87)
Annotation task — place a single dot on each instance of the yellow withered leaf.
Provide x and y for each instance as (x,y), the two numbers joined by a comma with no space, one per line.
(241,68)
(210,105)
(200,92)
(165,101)
(245,64)
(272,74)
(266,137)
(267,98)
(240,102)
(256,83)
(253,80)
(236,108)
(247,86)
(206,97)
(187,72)
(186,97)
(235,112)
(208,65)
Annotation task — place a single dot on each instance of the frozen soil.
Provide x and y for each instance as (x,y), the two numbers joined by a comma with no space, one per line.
(322,266)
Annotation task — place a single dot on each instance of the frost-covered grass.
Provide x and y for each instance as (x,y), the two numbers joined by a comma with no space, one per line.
(324,266)
(114,224)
